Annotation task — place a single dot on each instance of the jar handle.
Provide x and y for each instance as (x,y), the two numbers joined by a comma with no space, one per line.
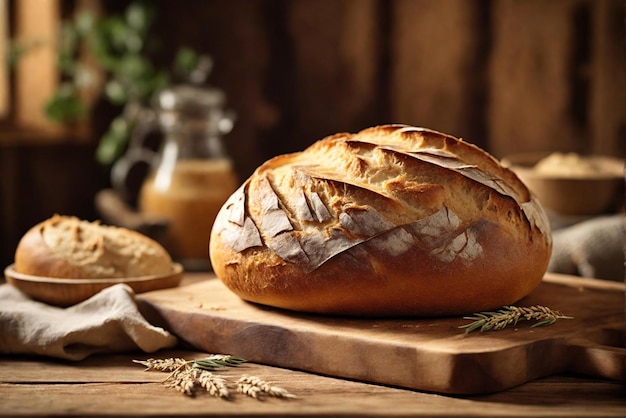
(137,153)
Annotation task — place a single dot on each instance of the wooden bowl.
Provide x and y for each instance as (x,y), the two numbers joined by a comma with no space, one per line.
(66,292)
(585,195)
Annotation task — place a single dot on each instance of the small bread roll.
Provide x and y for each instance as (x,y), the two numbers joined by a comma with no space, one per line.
(67,247)
(392,221)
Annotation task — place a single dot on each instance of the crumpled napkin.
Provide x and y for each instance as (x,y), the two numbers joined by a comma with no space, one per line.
(591,248)
(107,322)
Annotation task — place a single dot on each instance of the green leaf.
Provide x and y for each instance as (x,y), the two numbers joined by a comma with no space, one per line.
(115,92)
(117,31)
(65,106)
(84,76)
(139,16)
(133,66)
(186,60)
(134,42)
(85,23)
(113,142)
(120,126)
(218,360)
(161,80)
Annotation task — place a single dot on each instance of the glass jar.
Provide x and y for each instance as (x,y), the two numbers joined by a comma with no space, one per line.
(192,175)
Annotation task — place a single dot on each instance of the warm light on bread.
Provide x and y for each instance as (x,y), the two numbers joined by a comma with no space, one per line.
(67,247)
(394,220)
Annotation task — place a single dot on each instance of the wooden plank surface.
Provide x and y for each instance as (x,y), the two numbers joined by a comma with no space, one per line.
(114,386)
(438,80)
(425,354)
(607,80)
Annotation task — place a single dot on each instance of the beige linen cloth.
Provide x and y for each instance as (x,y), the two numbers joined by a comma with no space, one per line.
(107,322)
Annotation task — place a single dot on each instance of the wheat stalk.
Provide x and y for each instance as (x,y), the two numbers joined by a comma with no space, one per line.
(188,376)
(183,380)
(211,362)
(187,379)
(162,365)
(511,315)
(254,387)
(215,385)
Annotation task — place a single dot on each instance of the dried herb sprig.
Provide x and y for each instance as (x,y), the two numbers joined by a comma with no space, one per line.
(255,387)
(218,360)
(511,315)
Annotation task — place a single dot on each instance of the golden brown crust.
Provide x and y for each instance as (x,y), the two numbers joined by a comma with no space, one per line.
(391,221)
(67,247)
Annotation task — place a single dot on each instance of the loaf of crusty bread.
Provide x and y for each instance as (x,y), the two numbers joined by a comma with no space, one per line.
(67,247)
(391,221)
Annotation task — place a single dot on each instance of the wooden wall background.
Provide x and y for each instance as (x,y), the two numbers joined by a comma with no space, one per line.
(507,75)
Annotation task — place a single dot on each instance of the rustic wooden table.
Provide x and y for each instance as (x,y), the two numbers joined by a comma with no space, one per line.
(113,385)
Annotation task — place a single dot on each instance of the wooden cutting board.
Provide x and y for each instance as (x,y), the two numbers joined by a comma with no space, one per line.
(430,354)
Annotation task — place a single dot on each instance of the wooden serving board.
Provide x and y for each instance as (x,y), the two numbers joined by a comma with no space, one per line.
(429,354)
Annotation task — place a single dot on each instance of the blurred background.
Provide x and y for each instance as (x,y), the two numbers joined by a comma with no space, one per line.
(509,76)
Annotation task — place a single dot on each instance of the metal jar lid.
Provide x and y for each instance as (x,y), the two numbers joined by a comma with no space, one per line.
(189,100)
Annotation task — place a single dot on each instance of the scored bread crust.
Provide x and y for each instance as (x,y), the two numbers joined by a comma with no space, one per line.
(67,247)
(394,220)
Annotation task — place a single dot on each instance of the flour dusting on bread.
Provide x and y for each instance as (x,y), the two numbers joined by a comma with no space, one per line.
(68,247)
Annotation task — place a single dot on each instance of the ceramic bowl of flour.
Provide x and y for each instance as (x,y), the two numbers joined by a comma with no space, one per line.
(572,184)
